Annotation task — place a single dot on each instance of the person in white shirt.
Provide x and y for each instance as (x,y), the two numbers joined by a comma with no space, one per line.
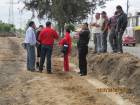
(98,33)
(30,42)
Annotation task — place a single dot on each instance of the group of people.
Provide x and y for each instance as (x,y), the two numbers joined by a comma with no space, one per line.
(44,39)
(116,24)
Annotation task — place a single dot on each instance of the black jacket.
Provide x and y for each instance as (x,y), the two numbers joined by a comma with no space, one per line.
(84,37)
(122,22)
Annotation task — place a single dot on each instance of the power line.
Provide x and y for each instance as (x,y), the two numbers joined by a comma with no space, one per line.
(11,12)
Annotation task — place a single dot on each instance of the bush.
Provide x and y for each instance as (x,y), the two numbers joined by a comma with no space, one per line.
(4,27)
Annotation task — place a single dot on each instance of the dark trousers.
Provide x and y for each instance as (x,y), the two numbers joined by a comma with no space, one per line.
(104,41)
(83,51)
(38,50)
(95,42)
(46,51)
(30,57)
(119,42)
(113,40)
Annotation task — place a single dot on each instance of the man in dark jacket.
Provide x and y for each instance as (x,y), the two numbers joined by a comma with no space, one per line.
(84,37)
(121,26)
(105,31)
(38,45)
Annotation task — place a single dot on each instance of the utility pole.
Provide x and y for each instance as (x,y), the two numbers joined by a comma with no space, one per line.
(11,12)
(20,13)
(127,7)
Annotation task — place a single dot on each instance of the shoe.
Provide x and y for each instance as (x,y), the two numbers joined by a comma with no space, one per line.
(49,72)
(28,70)
(32,70)
(114,51)
(40,71)
(120,52)
(37,64)
(94,52)
(83,74)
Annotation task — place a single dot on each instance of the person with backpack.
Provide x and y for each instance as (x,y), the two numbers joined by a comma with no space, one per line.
(66,48)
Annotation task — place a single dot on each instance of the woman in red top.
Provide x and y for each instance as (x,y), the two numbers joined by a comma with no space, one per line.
(66,40)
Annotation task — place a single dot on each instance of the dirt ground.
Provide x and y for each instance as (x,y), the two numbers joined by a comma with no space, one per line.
(117,70)
(20,87)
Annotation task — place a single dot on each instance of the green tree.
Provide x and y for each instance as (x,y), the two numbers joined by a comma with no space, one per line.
(63,11)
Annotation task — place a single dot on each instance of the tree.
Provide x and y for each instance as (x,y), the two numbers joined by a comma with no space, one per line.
(63,11)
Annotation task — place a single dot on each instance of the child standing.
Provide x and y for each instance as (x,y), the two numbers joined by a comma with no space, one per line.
(66,44)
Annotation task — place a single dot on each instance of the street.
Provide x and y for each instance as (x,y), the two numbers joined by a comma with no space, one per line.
(128,49)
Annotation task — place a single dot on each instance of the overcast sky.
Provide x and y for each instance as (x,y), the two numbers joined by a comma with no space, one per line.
(4,10)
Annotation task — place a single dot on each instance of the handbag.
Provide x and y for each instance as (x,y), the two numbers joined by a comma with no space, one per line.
(65,49)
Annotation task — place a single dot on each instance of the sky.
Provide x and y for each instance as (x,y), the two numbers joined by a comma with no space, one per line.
(20,20)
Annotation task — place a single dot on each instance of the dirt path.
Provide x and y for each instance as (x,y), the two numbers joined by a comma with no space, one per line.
(20,87)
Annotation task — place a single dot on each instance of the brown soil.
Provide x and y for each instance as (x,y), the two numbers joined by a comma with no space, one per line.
(117,70)
(20,87)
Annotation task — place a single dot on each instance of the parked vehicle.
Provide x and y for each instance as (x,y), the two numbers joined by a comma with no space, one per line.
(129,40)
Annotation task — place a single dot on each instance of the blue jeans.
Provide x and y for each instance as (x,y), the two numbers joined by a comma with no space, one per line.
(119,41)
(113,40)
(98,42)
(30,57)
(46,51)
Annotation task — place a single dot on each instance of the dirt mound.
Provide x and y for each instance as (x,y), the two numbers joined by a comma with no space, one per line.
(117,70)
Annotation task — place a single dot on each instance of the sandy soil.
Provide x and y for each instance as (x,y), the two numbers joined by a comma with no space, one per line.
(20,87)
(118,70)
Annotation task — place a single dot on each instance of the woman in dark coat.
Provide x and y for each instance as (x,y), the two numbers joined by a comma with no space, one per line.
(83,41)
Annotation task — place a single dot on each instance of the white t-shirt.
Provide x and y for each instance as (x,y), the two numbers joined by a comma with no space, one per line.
(98,29)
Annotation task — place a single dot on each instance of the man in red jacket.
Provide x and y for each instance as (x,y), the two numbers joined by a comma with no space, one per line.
(46,38)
